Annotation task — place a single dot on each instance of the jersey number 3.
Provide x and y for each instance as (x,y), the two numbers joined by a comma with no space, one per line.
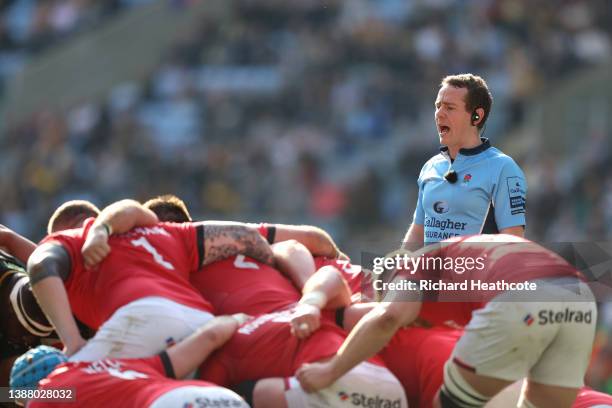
(143,242)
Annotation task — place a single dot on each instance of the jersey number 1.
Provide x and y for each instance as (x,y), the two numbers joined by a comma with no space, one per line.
(143,242)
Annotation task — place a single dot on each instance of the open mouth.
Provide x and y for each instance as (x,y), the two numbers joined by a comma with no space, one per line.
(443,129)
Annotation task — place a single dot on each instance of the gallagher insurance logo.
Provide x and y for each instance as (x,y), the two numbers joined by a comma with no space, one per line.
(440,207)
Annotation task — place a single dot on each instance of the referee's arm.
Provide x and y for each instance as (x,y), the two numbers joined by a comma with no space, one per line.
(414,237)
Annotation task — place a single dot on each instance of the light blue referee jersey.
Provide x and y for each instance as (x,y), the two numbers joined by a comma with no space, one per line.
(488,196)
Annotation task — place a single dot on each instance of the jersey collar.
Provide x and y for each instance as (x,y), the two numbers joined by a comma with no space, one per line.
(472,151)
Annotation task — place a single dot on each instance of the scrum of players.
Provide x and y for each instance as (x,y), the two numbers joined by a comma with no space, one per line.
(154,309)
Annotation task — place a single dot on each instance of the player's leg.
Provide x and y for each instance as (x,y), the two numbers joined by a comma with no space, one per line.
(464,388)
(270,393)
(543,396)
(194,395)
(366,384)
(417,356)
(142,328)
(508,397)
(586,397)
(500,345)
(559,373)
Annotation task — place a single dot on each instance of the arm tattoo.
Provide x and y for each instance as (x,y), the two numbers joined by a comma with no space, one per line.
(224,241)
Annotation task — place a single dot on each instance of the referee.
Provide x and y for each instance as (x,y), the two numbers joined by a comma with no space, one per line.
(470,187)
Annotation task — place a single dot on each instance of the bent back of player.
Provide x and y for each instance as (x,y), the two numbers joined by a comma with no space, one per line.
(545,338)
(544,335)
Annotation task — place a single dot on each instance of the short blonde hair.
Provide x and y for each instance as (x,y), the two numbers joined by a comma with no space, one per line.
(71,214)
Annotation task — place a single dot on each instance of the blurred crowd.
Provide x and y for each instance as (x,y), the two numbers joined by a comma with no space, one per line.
(307,111)
(288,111)
(28,27)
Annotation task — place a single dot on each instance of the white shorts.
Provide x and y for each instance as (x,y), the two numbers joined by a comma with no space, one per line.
(141,329)
(365,385)
(195,396)
(548,342)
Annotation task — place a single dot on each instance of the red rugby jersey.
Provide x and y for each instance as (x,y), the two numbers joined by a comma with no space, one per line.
(589,398)
(111,383)
(146,261)
(243,285)
(351,273)
(495,258)
(264,347)
(417,356)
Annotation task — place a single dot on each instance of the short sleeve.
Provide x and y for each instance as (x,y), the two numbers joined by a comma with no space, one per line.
(191,235)
(268,231)
(509,197)
(215,370)
(72,241)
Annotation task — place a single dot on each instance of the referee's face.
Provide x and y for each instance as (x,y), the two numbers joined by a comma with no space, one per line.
(452,119)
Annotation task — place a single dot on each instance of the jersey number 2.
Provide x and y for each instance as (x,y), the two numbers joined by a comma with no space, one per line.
(143,242)
(242,263)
